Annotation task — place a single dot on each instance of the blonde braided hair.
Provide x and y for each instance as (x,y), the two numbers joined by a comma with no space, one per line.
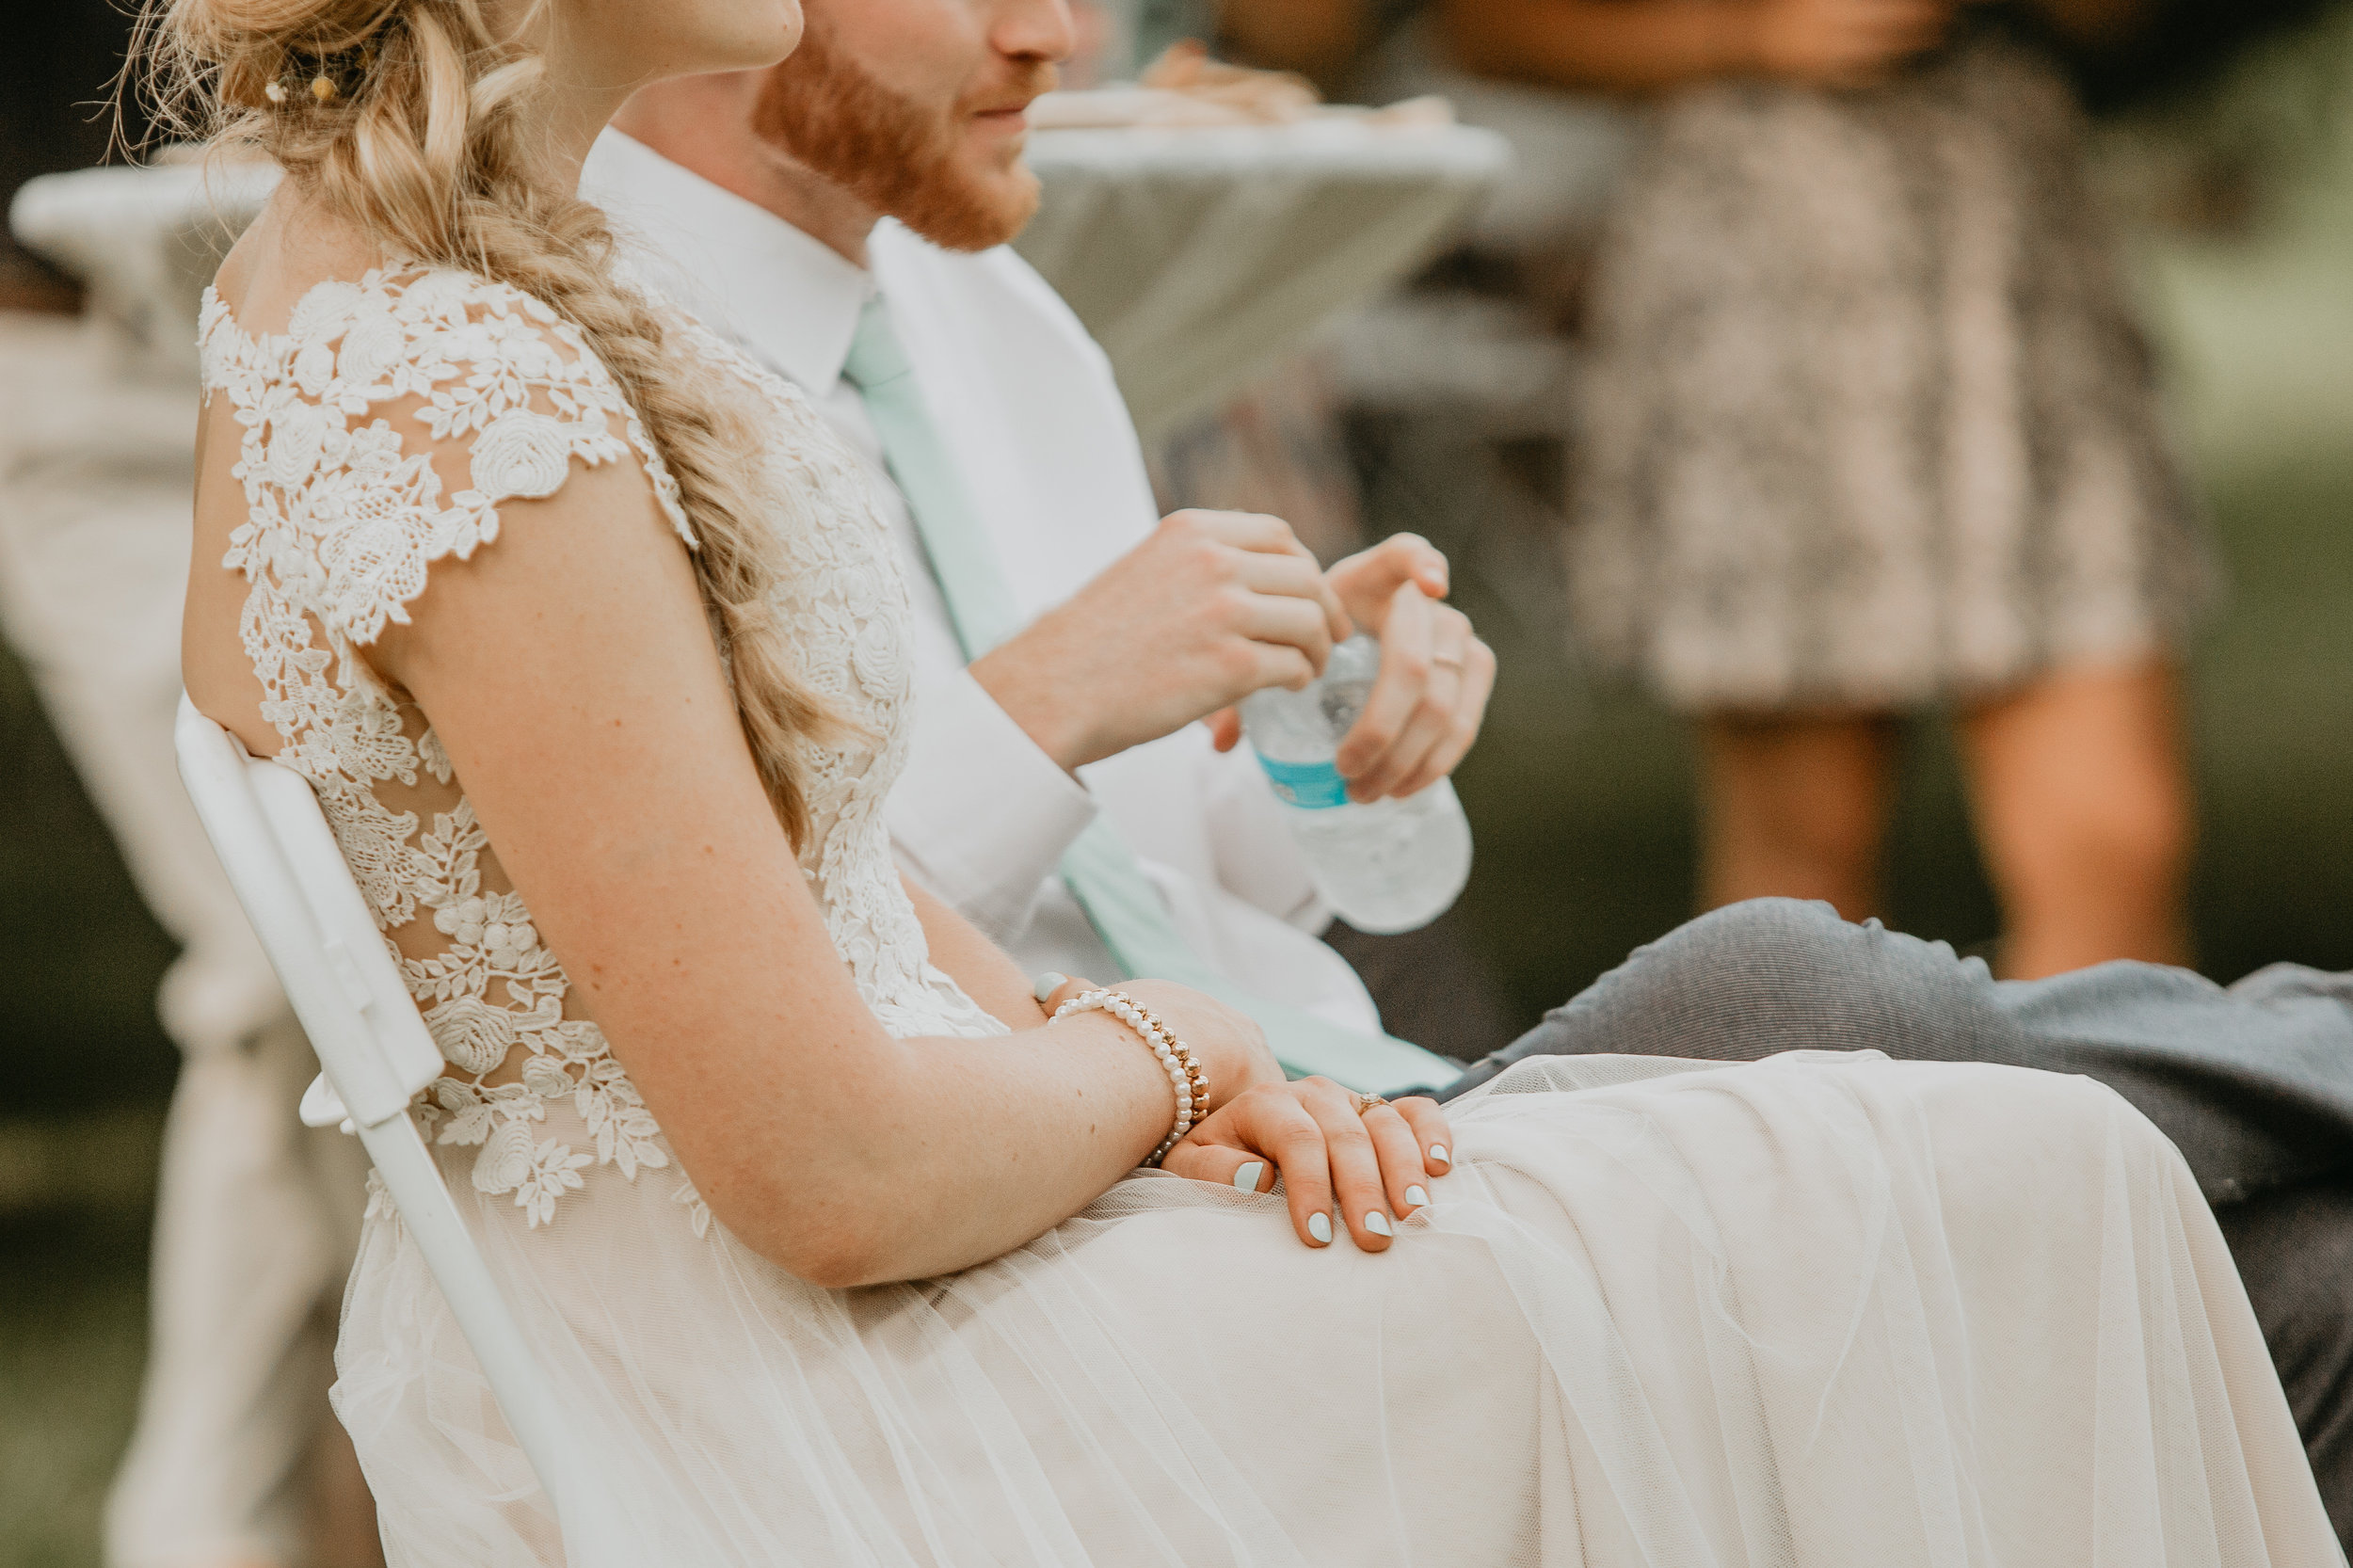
(418,138)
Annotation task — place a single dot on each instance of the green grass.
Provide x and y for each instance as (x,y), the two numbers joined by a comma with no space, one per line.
(77,1014)
(83,1051)
(2275,722)
(72,1315)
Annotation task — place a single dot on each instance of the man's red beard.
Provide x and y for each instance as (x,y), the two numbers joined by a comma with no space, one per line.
(891,151)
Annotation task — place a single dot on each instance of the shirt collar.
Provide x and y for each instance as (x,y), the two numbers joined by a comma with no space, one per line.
(790,299)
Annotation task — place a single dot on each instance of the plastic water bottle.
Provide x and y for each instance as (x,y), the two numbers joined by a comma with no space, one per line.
(1389,866)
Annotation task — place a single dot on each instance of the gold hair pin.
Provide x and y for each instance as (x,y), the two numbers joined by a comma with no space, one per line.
(324,87)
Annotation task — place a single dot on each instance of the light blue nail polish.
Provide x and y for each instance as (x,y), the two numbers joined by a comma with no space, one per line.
(1246,1179)
(1416,1198)
(1047,983)
(1320,1226)
(1378,1224)
(1437,1152)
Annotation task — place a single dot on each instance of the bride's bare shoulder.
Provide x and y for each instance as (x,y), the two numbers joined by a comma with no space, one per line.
(293,245)
(394,418)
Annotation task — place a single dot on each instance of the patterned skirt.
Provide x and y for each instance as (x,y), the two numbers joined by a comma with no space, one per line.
(1867,421)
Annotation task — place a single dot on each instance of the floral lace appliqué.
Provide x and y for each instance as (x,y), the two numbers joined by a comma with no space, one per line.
(345,519)
(347,513)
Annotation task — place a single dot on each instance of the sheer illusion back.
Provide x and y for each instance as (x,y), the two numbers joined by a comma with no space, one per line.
(342,418)
(1827,1310)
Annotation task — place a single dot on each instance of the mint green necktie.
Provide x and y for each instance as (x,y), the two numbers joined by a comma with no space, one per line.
(1099,867)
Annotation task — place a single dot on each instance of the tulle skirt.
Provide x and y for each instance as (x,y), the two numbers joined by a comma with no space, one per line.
(1822,1310)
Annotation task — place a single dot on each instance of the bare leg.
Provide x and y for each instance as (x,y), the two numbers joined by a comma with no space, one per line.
(2082,798)
(1795,807)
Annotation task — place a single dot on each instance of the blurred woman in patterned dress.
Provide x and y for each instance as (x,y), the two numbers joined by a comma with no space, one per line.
(1871,427)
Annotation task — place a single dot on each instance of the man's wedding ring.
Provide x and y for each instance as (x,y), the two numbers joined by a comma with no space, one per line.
(1446,660)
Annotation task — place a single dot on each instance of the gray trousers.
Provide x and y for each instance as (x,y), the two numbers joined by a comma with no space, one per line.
(2253,1082)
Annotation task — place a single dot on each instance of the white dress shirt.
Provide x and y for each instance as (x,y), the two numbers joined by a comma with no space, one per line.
(1025,402)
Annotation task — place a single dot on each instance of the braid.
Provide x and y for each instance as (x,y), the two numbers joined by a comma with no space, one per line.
(421,142)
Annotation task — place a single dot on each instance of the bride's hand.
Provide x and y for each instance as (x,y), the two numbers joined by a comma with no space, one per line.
(1375,1161)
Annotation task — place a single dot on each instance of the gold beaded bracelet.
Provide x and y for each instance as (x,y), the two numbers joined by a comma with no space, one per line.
(1191,1085)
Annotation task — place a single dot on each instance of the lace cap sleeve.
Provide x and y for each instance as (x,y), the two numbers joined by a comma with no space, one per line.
(344,412)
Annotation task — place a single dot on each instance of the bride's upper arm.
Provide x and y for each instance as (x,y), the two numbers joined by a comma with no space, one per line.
(569,671)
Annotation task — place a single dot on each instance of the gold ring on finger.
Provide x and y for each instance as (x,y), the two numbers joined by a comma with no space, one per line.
(1366,1102)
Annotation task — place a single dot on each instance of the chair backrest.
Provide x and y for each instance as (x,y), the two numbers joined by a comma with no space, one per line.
(266,825)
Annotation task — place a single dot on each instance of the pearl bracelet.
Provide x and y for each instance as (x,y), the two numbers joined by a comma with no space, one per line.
(1184,1074)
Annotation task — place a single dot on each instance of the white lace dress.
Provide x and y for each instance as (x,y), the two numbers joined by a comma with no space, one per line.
(1824,1310)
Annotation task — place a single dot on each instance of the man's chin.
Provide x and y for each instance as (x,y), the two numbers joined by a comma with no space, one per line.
(1020,191)
(978,212)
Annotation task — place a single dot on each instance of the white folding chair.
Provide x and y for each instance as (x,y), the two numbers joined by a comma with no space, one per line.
(266,826)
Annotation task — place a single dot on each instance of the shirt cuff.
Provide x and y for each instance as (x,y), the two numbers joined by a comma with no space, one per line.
(981,815)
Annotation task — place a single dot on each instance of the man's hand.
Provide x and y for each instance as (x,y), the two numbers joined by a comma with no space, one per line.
(1435,675)
(1842,43)
(1214,607)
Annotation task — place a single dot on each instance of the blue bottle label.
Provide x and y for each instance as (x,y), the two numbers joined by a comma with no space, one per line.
(1316,786)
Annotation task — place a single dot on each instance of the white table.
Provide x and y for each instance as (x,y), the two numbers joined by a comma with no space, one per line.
(143,241)
(1198,258)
